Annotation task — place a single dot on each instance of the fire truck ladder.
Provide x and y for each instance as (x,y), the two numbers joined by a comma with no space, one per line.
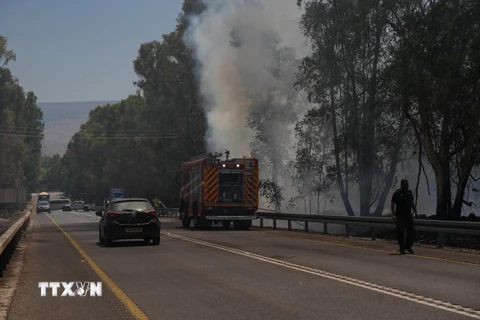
(249,188)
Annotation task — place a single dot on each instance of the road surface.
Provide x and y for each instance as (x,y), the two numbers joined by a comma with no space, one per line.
(256,274)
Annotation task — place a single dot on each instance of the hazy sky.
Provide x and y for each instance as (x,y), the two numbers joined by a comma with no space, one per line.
(81,50)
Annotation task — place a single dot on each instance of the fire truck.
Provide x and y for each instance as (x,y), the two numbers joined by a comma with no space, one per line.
(213,191)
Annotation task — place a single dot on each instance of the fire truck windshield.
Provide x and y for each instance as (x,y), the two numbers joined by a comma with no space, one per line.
(230,188)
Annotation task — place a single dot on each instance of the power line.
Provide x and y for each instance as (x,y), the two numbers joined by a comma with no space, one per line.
(91,133)
(126,137)
(113,137)
(15,128)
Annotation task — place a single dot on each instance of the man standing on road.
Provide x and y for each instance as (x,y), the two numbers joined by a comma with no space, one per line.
(402,205)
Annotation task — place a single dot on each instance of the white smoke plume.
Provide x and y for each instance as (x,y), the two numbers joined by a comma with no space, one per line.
(227,72)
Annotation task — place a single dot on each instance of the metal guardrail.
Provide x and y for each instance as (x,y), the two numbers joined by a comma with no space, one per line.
(167,212)
(440,227)
(455,227)
(10,239)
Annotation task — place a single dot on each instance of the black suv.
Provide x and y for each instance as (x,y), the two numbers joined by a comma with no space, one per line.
(128,218)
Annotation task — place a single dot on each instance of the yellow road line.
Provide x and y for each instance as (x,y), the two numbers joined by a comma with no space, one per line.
(136,312)
(371,249)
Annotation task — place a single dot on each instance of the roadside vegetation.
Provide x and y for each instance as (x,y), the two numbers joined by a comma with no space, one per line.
(388,81)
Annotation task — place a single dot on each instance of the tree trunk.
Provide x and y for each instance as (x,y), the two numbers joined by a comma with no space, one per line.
(442,176)
(310,203)
(393,169)
(325,206)
(274,158)
(336,144)
(465,168)
(369,156)
(318,202)
(456,211)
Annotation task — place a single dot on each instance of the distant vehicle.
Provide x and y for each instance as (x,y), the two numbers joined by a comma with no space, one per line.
(78,205)
(57,204)
(44,196)
(43,206)
(128,218)
(213,191)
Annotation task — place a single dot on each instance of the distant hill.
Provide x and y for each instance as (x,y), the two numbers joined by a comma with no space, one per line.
(62,121)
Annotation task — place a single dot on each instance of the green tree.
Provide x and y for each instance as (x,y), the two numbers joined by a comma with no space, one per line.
(139,143)
(439,52)
(21,129)
(344,75)
(53,173)
(314,169)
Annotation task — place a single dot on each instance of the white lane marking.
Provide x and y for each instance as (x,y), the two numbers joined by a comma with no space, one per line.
(469,312)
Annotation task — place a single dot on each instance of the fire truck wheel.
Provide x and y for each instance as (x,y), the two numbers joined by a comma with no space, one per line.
(226,224)
(185,221)
(242,225)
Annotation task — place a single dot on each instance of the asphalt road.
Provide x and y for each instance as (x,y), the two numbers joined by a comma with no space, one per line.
(256,274)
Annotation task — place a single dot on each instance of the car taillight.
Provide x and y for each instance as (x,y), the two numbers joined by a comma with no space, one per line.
(153,213)
(111,214)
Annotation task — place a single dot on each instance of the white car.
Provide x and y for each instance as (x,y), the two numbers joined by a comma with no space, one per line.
(43,206)
(78,205)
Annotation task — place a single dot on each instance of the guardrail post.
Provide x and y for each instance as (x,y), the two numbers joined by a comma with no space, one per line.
(261,222)
(2,263)
(347,230)
(325,228)
(274,223)
(373,232)
(289,225)
(7,256)
(306,226)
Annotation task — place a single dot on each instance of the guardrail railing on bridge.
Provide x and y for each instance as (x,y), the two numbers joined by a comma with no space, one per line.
(10,239)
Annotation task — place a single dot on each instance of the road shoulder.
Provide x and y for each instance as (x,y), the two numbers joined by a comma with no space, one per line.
(49,256)
(455,255)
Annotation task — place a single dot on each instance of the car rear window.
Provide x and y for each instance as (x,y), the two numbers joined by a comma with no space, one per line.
(131,206)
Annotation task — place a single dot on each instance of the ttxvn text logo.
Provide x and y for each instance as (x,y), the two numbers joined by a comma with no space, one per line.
(71,289)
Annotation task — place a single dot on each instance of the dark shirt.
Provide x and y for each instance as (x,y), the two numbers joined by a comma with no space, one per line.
(403,200)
